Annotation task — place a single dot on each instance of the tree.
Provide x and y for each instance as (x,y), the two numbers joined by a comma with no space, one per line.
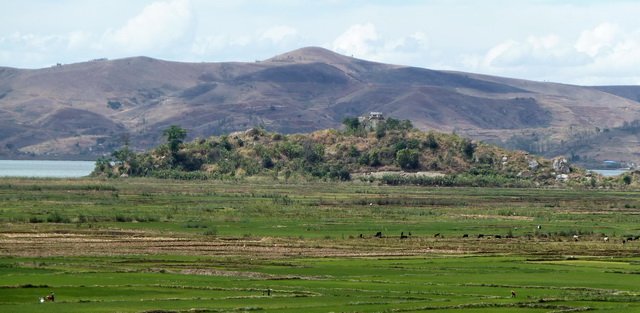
(267,162)
(352,123)
(406,125)
(408,159)
(123,155)
(103,166)
(126,161)
(381,130)
(468,148)
(392,123)
(431,142)
(175,135)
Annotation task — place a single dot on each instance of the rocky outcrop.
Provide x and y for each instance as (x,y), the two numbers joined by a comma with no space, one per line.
(561,166)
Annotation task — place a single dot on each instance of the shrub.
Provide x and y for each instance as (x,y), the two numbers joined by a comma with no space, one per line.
(211,232)
(291,150)
(123,219)
(351,123)
(56,217)
(468,148)
(267,162)
(339,173)
(114,105)
(381,131)
(408,159)
(431,142)
(35,219)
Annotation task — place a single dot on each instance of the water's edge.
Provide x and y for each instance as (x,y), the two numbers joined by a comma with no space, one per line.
(45,168)
(69,169)
(609,173)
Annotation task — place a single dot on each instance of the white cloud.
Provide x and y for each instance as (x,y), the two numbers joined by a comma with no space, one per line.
(601,44)
(410,44)
(594,41)
(157,26)
(211,44)
(31,48)
(615,50)
(357,41)
(622,57)
(546,51)
(78,40)
(363,41)
(595,56)
(278,34)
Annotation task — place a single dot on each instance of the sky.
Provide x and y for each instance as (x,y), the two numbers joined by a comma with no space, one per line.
(586,42)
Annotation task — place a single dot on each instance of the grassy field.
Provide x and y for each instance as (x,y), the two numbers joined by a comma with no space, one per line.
(141,245)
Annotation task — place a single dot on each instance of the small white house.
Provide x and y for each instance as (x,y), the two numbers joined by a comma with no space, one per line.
(376,116)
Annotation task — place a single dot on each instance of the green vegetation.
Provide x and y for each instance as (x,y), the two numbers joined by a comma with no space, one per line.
(263,222)
(150,245)
(388,146)
(175,136)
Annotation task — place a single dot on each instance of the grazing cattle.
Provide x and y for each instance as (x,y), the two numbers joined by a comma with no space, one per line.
(436,235)
(629,238)
(539,227)
(361,236)
(513,294)
(409,234)
(624,241)
(465,236)
(636,237)
(378,234)
(480,235)
(51,297)
(497,237)
(606,239)
(403,236)
(575,237)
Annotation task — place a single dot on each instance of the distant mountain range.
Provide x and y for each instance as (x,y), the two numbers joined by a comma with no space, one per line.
(87,109)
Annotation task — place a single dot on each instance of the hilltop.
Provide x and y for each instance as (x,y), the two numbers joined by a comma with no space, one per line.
(390,151)
(89,109)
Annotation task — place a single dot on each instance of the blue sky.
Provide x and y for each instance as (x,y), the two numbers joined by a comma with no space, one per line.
(579,42)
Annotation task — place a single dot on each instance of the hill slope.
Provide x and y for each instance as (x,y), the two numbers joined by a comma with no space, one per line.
(392,152)
(85,110)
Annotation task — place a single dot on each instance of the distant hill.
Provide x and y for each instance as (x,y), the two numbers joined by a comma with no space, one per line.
(88,109)
(629,92)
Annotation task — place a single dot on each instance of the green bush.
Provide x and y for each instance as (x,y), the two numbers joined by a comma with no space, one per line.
(408,159)
(56,217)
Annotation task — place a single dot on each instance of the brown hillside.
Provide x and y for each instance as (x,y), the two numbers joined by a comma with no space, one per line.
(299,91)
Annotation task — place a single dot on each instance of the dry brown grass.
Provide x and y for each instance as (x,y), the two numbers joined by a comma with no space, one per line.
(106,242)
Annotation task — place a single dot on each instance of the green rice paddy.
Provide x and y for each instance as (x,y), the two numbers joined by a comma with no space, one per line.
(140,245)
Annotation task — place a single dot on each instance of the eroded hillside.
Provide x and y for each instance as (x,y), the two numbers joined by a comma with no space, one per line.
(89,109)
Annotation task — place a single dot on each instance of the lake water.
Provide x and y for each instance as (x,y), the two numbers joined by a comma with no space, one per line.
(610,172)
(30,168)
(68,169)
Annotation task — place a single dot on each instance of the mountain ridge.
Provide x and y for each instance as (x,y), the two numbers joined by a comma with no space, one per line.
(134,99)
